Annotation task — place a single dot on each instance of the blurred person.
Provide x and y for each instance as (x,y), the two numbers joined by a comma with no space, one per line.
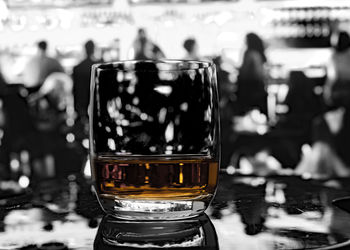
(329,156)
(81,81)
(301,98)
(144,49)
(295,125)
(7,127)
(226,98)
(39,67)
(50,108)
(337,86)
(191,47)
(251,77)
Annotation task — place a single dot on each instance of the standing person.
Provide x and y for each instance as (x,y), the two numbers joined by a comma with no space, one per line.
(251,78)
(191,47)
(39,67)
(144,49)
(337,86)
(81,81)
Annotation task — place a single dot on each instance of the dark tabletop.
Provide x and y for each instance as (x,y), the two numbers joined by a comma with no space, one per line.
(248,212)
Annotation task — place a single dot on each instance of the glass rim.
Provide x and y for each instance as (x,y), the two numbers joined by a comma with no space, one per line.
(166,65)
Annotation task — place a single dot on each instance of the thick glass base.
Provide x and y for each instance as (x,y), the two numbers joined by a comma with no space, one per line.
(131,209)
(194,233)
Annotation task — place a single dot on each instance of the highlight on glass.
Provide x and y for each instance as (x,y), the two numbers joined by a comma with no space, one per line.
(154,138)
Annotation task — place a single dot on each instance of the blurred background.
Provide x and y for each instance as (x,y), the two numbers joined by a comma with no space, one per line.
(283,78)
(276,60)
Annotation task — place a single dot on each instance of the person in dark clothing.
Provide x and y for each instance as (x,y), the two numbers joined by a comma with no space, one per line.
(293,128)
(144,49)
(81,81)
(250,82)
(191,47)
(303,104)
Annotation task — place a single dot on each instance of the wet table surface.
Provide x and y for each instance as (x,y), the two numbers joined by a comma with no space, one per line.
(249,212)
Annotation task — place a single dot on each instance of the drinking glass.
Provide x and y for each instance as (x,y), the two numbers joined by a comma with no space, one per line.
(154,138)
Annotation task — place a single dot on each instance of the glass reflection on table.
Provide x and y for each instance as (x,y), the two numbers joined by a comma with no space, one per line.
(248,212)
(194,233)
(280,212)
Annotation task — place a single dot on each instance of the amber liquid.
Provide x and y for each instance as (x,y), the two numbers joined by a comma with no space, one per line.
(156,179)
